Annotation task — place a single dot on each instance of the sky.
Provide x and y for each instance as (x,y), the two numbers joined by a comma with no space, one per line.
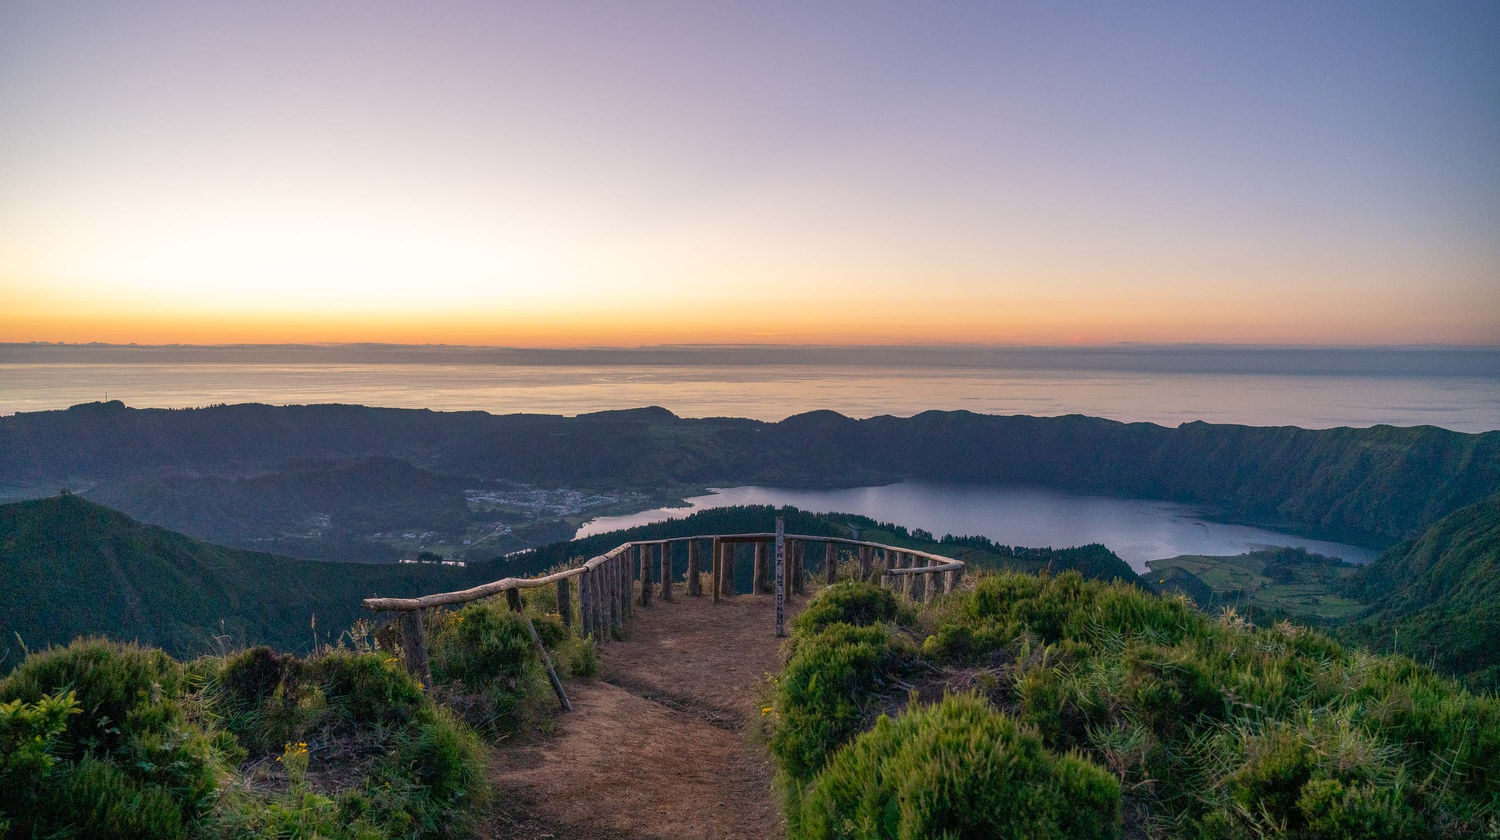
(584,174)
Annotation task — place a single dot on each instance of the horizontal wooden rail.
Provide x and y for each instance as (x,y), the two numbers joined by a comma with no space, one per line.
(607,585)
(938,563)
(484,590)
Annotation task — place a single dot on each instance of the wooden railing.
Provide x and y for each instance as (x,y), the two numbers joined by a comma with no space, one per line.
(612,584)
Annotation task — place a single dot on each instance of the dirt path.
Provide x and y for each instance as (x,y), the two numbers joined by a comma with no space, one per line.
(655,748)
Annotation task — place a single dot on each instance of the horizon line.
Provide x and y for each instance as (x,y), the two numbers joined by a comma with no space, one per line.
(1116,345)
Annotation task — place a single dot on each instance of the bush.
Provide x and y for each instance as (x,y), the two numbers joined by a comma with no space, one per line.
(1218,728)
(134,760)
(851,602)
(578,657)
(957,769)
(268,699)
(484,651)
(820,695)
(29,735)
(427,768)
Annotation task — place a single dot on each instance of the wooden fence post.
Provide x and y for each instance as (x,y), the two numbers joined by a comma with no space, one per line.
(624,596)
(624,573)
(758,571)
(645,553)
(865,555)
(557,686)
(694,585)
(414,646)
(583,604)
(727,575)
(929,586)
(611,601)
(666,572)
(599,590)
(717,564)
(565,603)
(912,581)
(798,555)
(801,568)
(513,599)
(830,563)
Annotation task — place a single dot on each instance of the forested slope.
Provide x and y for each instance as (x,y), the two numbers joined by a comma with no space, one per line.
(1436,598)
(74,568)
(1376,484)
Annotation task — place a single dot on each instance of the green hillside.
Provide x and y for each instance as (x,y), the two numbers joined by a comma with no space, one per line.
(72,567)
(1059,708)
(1264,585)
(1436,598)
(1376,484)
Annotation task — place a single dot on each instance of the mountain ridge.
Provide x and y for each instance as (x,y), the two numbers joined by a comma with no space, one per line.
(1374,485)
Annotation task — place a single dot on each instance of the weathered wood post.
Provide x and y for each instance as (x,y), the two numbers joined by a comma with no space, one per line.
(611,602)
(666,572)
(830,563)
(625,586)
(955,577)
(596,602)
(619,594)
(565,603)
(929,586)
(513,599)
(759,579)
(913,582)
(557,686)
(694,585)
(717,563)
(865,555)
(583,605)
(796,568)
(414,647)
(599,591)
(645,575)
(780,576)
(727,576)
(801,568)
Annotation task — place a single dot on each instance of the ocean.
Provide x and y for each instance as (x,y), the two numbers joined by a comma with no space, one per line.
(1466,403)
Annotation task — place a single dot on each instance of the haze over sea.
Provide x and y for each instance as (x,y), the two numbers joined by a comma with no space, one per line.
(1456,388)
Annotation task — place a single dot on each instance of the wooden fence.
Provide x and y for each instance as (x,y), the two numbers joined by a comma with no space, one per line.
(612,584)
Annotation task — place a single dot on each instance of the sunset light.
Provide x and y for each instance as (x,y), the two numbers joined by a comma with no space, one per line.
(588,175)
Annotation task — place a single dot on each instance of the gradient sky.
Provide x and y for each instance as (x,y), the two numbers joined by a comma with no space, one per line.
(621,173)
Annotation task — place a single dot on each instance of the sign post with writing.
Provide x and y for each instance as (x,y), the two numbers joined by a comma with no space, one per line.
(780,575)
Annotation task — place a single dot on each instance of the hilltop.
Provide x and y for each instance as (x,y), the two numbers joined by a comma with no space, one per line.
(72,567)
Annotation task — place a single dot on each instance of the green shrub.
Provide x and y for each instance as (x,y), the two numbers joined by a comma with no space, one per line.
(956,769)
(268,699)
(851,602)
(29,734)
(484,651)
(578,657)
(133,761)
(1218,728)
(821,694)
(446,760)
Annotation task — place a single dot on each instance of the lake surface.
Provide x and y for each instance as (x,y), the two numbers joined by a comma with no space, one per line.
(1137,530)
(774,391)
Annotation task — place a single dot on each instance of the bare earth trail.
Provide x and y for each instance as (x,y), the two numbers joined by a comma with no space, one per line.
(657,746)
